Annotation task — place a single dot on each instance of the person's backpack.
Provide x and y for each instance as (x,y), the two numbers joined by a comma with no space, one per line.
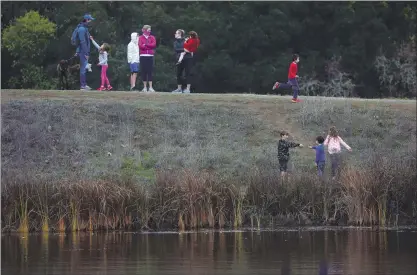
(75,40)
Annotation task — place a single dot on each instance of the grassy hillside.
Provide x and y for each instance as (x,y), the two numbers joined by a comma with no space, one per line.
(54,136)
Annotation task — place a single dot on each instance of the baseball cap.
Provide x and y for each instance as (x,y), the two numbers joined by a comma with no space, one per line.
(88,16)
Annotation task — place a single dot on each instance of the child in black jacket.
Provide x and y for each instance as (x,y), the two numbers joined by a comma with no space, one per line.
(283,152)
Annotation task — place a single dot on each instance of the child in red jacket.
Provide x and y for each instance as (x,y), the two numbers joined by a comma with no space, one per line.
(292,79)
(190,46)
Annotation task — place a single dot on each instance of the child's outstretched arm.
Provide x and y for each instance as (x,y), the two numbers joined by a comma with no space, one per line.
(344,144)
(94,43)
(294,144)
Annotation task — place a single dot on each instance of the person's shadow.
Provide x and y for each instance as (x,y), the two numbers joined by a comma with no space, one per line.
(286,267)
(323,268)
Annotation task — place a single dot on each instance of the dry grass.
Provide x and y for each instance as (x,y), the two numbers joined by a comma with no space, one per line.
(186,199)
(90,161)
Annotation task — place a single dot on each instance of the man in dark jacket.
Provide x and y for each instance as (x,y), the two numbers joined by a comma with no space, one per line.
(185,65)
(83,49)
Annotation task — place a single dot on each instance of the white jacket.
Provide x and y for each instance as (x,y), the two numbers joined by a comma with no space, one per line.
(333,144)
(133,49)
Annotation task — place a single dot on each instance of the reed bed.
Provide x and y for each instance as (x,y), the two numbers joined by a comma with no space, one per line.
(382,194)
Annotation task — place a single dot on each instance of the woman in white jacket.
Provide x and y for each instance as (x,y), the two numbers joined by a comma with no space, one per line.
(133,58)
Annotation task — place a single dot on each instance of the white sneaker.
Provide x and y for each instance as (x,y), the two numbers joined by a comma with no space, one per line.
(151,90)
(177,91)
(144,90)
(186,91)
(85,88)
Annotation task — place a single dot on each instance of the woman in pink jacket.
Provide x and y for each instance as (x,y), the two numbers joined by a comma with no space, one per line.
(333,142)
(147,45)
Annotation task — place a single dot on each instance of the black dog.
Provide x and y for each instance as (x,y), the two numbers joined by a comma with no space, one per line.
(64,70)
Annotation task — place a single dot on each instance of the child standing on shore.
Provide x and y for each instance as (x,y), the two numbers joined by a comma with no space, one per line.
(333,142)
(102,61)
(283,152)
(320,155)
(190,46)
(292,79)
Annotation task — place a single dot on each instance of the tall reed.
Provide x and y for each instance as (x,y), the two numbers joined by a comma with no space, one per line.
(381,193)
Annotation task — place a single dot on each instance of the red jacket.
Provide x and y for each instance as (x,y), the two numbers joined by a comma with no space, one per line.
(292,72)
(147,46)
(192,44)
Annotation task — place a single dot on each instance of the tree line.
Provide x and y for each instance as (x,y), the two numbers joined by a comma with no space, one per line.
(364,49)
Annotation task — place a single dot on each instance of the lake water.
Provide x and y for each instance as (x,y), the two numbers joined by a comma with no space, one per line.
(348,251)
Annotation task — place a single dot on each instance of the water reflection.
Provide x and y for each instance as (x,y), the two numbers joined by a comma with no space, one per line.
(287,253)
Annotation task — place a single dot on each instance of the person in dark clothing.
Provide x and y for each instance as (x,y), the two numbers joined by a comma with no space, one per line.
(191,45)
(185,66)
(283,152)
(83,49)
(179,48)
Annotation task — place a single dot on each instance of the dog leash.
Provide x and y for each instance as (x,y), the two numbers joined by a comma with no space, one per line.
(71,58)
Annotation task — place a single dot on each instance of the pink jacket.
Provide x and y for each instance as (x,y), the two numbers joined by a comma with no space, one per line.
(147,46)
(333,144)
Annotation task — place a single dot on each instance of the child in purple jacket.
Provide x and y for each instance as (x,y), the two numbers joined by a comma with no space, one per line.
(320,155)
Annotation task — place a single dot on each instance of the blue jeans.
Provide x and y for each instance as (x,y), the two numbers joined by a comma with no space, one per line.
(292,83)
(320,168)
(83,70)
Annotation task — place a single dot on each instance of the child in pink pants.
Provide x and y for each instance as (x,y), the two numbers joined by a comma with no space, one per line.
(102,61)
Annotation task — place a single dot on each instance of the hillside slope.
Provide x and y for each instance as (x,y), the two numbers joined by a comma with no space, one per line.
(89,161)
(93,133)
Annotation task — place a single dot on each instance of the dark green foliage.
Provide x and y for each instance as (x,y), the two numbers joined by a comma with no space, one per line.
(246,46)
